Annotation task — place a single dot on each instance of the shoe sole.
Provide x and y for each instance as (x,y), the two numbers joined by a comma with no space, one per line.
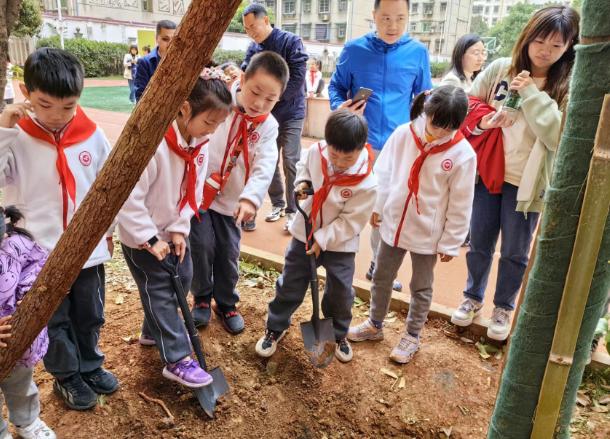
(274,219)
(147,343)
(341,357)
(377,337)
(226,326)
(464,323)
(200,325)
(262,354)
(249,229)
(170,376)
(498,336)
(72,405)
(403,360)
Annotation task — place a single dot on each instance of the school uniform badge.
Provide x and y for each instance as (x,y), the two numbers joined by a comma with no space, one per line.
(254,137)
(447,165)
(346,193)
(200,160)
(85,158)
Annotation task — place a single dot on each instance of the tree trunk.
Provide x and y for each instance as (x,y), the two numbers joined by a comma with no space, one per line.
(9,12)
(531,343)
(193,45)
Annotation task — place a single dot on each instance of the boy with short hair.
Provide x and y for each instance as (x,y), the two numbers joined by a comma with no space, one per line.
(242,159)
(49,159)
(339,171)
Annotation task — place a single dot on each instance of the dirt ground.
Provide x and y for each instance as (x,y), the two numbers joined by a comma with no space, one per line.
(447,391)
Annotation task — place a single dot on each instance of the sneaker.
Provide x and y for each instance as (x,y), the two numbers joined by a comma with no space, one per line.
(466,312)
(146,340)
(188,373)
(289,220)
(365,331)
(232,321)
(75,392)
(406,348)
(276,214)
(249,226)
(343,351)
(202,314)
(101,381)
(396,285)
(499,327)
(36,430)
(267,344)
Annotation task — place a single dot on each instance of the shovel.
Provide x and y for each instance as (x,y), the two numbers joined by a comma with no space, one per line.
(318,334)
(209,394)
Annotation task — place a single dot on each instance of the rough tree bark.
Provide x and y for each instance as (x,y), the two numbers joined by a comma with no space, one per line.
(198,34)
(9,12)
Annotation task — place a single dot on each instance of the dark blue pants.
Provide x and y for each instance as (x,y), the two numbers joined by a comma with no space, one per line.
(492,215)
(74,329)
(132,90)
(214,243)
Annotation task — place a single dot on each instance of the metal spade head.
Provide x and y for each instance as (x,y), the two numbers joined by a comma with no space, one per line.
(208,395)
(319,341)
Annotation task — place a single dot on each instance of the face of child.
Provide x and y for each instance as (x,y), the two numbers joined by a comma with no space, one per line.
(259,93)
(163,39)
(436,132)
(391,19)
(204,123)
(342,161)
(544,52)
(474,58)
(313,67)
(233,73)
(54,113)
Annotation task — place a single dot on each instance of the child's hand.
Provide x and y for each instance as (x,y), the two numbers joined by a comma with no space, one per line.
(445,258)
(5,330)
(244,212)
(12,113)
(179,245)
(357,108)
(521,81)
(314,250)
(110,244)
(160,250)
(375,220)
(300,190)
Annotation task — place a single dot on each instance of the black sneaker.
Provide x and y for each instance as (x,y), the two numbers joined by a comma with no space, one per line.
(75,393)
(396,286)
(267,344)
(101,381)
(343,351)
(202,314)
(232,321)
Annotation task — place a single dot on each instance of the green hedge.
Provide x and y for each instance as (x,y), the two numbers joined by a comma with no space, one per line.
(99,58)
(222,56)
(438,69)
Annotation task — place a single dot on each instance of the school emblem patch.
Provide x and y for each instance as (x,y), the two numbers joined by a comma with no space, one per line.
(254,137)
(346,193)
(85,158)
(447,165)
(200,160)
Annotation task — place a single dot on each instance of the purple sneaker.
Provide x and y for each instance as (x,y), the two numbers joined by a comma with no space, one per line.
(188,373)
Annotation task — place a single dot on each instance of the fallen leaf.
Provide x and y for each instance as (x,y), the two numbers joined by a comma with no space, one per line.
(126,339)
(599,408)
(466,340)
(402,383)
(605,387)
(482,351)
(388,373)
(605,400)
(583,400)
(119,299)
(447,431)
(390,315)
(390,320)
(358,301)
(464,410)
(101,400)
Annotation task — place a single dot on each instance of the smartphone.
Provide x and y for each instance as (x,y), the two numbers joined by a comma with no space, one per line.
(362,94)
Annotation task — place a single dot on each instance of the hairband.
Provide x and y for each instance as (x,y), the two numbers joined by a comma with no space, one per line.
(214,73)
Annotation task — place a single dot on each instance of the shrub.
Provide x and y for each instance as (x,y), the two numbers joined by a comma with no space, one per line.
(98,57)
(438,69)
(222,56)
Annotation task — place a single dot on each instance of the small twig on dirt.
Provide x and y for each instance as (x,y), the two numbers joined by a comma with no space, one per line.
(158,401)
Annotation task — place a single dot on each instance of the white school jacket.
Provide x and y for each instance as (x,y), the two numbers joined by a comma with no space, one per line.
(347,209)
(312,86)
(262,155)
(152,209)
(446,191)
(29,177)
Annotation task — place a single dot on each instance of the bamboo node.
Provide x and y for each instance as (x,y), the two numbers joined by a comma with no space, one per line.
(561,359)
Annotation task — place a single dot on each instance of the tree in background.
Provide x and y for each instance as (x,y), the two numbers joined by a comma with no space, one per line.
(507,30)
(237,24)
(30,19)
(9,13)
(479,26)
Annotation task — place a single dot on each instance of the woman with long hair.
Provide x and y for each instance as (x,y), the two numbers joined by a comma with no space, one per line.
(467,59)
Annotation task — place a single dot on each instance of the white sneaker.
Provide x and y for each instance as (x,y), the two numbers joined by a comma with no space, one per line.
(289,220)
(275,214)
(267,344)
(406,348)
(365,331)
(343,351)
(467,311)
(36,430)
(499,327)
(6,435)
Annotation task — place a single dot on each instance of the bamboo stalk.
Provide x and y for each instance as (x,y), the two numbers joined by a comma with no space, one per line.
(593,217)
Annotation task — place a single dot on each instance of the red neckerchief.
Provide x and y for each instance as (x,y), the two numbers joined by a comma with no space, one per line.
(79,129)
(239,143)
(341,179)
(313,77)
(413,182)
(190,169)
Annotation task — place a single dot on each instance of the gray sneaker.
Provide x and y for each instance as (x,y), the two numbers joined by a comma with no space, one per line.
(364,331)
(275,214)
(406,348)
(467,311)
(499,327)
(289,220)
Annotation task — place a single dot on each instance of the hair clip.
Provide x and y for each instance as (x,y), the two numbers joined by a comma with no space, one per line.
(214,73)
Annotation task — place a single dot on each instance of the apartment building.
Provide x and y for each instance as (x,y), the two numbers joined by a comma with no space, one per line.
(492,11)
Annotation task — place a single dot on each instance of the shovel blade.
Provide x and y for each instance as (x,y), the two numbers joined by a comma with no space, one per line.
(319,341)
(208,395)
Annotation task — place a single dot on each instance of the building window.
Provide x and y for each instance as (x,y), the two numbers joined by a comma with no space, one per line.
(306,5)
(322,32)
(306,31)
(341,28)
(147,5)
(477,10)
(426,26)
(270,4)
(494,21)
(414,8)
(342,5)
(290,7)
(292,27)
(412,26)
(496,9)
(487,9)
(440,27)
(443,8)
(324,6)
(438,45)
(428,8)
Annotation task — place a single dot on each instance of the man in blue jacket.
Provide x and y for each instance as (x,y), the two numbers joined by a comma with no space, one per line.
(394,66)
(289,111)
(148,64)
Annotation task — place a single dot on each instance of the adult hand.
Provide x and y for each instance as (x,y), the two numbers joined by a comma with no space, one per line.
(179,245)
(12,113)
(521,81)
(314,250)
(445,258)
(160,250)
(357,107)
(245,211)
(375,220)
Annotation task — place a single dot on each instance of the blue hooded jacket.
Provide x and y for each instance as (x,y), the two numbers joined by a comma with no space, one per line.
(395,72)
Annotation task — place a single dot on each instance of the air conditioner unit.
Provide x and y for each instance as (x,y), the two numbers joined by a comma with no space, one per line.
(324,17)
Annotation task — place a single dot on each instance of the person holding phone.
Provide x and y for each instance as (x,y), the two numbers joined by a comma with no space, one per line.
(394,67)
